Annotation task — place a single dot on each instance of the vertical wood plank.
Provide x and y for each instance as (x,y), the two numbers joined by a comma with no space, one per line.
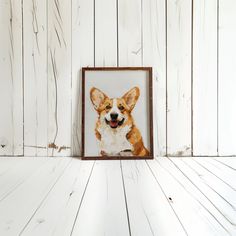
(130,32)
(205,77)
(82,56)
(105,33)
(35,77)
(11,82)
(179,77)
(227,74)
(59,77)
(141,36)
(154,54)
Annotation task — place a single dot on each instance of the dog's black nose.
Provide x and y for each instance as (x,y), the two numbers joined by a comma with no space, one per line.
(114,116)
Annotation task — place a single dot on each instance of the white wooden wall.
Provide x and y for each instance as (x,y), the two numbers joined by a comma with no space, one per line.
(190,45)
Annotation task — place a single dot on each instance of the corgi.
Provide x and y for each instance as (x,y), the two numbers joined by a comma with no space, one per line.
(115,129)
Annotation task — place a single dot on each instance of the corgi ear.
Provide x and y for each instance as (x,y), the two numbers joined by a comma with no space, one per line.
(131,97)
(97,97)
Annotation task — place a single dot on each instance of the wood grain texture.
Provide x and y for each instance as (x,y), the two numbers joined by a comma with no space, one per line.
(40,183)
(57,217)
(105,33)
(166,196)
(17,174)
(107,214)
(59,78)
(205,78)
(227,73)
(11,82)
(154,54)
(35,77)
(179,78)
(229,162)
(82,56)
(130,33)
(148,206)
(220,194)
(226,175)
(190,204)
(222,210)
(191,48)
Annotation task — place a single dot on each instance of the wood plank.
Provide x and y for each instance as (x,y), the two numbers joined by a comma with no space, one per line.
(59,78)
(57,213)
(105,33)
(154,54)
(35,77)
(226,175)
(18,173)
(227,161)
(188,202)
(26,203)
(11,92)
(219,194)
(148,206)
(129,33)
(6,163)
(214,181)
(82,56)
(205,77)
(103,210)
(179,77)
(227,73)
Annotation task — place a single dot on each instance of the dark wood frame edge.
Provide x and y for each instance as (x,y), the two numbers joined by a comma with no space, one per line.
(150,78)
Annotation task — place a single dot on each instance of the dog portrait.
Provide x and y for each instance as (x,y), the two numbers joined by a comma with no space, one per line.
(117,122)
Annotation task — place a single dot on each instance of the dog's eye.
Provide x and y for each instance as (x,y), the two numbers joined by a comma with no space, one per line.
(108,107)
(121,107)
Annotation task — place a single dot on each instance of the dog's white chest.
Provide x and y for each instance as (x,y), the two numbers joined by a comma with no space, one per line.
(114,141)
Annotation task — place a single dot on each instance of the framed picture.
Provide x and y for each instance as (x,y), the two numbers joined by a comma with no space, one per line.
(117,113)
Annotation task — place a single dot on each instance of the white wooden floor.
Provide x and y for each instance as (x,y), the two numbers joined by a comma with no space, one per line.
(67,196)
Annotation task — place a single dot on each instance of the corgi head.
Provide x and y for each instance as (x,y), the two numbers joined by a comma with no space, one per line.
(115,112)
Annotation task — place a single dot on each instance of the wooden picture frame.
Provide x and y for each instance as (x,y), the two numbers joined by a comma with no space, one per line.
(97,99)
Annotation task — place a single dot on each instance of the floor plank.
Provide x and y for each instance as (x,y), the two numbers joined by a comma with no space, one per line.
(227,161)
(17,209)
(17,173)
(228,176)
(103,210)
(216,220)
(219,194)
(195,212)
(7,163)
(57,213)
(148,207)
(165,196)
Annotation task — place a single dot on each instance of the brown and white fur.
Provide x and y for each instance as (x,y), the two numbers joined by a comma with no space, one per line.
(115,127)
